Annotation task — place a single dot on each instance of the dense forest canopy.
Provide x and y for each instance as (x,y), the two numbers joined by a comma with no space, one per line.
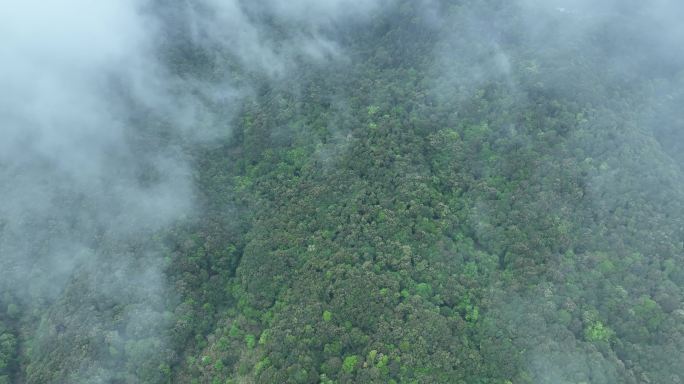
(342,191)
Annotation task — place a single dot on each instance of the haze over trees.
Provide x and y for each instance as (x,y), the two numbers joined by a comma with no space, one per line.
(342,191)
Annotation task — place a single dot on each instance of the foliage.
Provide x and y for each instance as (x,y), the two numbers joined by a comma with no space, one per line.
(393,218)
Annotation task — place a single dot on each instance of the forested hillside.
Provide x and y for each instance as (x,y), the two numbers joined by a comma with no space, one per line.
(338,191)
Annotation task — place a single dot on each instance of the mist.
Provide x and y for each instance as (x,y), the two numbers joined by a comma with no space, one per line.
(573,47)
(121,119)
(98,130)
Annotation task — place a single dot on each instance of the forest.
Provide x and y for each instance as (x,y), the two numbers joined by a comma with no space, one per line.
(342,191)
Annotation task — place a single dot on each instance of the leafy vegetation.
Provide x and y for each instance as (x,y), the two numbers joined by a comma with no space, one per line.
(407,215)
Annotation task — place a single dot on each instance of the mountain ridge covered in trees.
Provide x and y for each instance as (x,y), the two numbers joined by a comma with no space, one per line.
(335,192)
